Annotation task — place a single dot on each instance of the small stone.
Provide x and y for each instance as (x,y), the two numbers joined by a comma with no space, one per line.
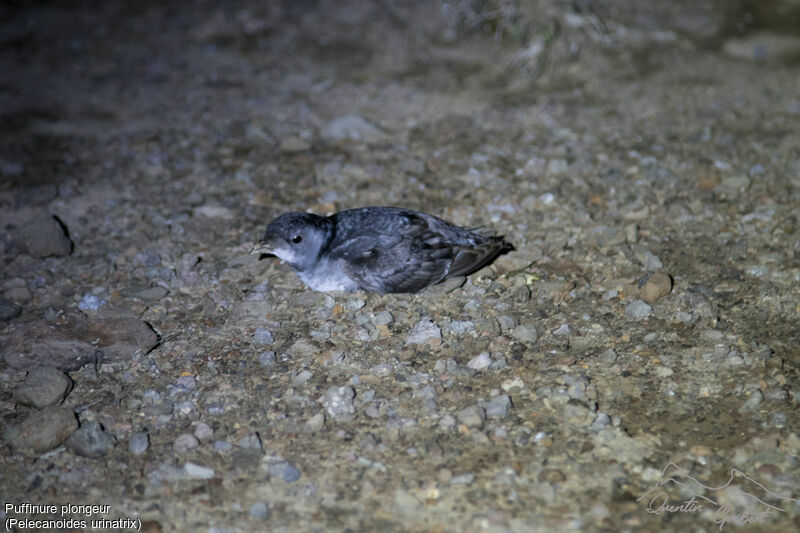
(91,440)
(384,318)
(90,302)
(196,471)
(43,386)
(263,336)
(259,511)
(578,413)
(338,403)
(294,144)
(498,407)
(267,358)
(473,416)
(405,501)
(203,431)
(222,446)
(525,333)
(425,331)
(214,211)
(649,260)
(463,479)
(352,127)
(139,443)
(9,310)
(42,430)
(447,286)
(480,361)
(663,371)
(43,236)
(354,304)
(638,310)
(755,398)
(152,293)
(316,422)
(655,287)
(251,441)
(302,377)
(461,327)
(284,471)
(185,443)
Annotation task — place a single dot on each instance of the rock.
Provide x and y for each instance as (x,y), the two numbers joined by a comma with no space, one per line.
(259,511)
(480,361)
(525,333)
(764,46)
(185,442)
(263,336)
(425,331)
(578,413)
(498,407)
(214,211)
(354,128)
(315,423)
(338,403)
(196,471)
(41,342)
(447,286)
(120,335)
(139,443)
(649,260)
(755,398)
(251,441)
(654,287)
(43,386)
(405,501)
(91,440)
(267,358)
(42,430)
(294,144)
(152,293)
(638,310)
(43,236)
(9,310)
(285,471)
(473,416)
(90,302)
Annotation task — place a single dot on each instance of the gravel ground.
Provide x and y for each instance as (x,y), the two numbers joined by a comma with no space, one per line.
(642,157)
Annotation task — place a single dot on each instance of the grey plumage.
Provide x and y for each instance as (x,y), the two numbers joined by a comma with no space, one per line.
(378,249)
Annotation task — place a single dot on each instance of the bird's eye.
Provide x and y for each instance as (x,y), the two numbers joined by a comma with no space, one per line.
(297,239)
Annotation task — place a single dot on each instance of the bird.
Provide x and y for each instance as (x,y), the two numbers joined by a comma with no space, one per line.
(377,249)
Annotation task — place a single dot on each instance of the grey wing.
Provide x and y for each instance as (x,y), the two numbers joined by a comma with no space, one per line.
(407,261)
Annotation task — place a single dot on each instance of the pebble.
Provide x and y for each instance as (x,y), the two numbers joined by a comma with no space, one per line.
(203,431)
(447,422)
(90,302)
(196,471)
(650,261)
(498,407)
(354,304)
(91,440)
(152,293)
(384,318)
(259,511)
(139,443)
(480,361)
(461,327)
(42,430)
(425,331)
(578,413)
(43,236)
(352,127)
(294,144)
(316,422)
(267,358)
(405,501)
(654,287)
(302,377)
(43,386)
(214,211)
(473,416)
(263,336)
(525,333)
(463,479)
(9,310)
(284,470)
(755,398)
(338,403)
(638,310)
(222,446)
(185,442)
(251,441)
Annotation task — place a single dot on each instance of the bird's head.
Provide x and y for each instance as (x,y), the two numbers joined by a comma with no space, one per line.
(296,238)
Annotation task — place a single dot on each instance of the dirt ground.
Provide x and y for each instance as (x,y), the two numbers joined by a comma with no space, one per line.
(634,364)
